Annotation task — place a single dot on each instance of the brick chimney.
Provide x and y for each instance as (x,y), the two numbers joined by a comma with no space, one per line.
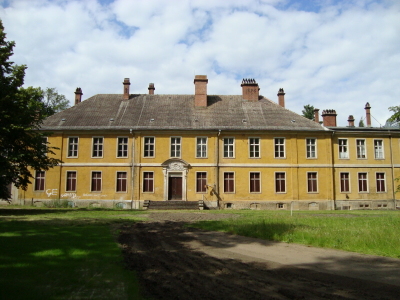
(368,114)
(316,115)
(151,88)
(250,89)
(351,121)
(329,117)
(126,84)
(281,97)
(78,95)
(200,90)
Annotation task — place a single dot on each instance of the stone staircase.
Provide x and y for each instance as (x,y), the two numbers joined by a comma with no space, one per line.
(173,205)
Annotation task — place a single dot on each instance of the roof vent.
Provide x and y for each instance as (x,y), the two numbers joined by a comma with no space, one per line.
(152,120)
(111,119)
(244,121)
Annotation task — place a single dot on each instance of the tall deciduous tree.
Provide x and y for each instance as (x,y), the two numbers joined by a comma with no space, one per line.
(22,143)
(395,118)
(308,112)
(54,101)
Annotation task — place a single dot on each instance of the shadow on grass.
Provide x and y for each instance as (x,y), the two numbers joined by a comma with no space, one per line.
(61,260)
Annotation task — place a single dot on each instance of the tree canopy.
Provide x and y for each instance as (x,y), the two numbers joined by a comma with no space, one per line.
(23,145)
(395,118)
(308,112)
(54,101)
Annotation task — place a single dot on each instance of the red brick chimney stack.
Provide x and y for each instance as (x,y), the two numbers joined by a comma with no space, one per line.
(316,115)
(126,84)
(200,90)
(250,89)
(151,88)
(368,114)
(78,95)
(281,97)
(351,121)
(329,117)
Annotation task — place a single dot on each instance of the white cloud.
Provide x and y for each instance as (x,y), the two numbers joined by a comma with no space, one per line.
(340,54)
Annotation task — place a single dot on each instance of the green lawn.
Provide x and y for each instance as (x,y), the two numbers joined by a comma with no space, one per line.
(63,254)
(368,232)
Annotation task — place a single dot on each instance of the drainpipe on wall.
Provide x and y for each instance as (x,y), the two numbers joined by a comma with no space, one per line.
(333,173)
(62,149)
(132,167)
(393,179)
(217,171)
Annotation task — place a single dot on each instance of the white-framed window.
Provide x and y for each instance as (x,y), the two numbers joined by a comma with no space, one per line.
(71,180)
(312,182)
(73,143)
(149,146)
(343,148)
(255,182)
(96,181)
(201,182)
(311,147)
(122,180)
(45,140)
(380,182)
(361,149)
(378,149)
(97,147)
(229,147)
(40,177)
(122,146)
(344,182)
(363,182)
(254,147)
(229,182)
(279,144)
(148,182)
(175,146)
(280,182)
(201,147)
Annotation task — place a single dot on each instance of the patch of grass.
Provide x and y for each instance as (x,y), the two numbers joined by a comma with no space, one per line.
(63,254)
(368,232)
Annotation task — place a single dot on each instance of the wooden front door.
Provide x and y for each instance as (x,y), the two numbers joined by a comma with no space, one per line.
(175,188)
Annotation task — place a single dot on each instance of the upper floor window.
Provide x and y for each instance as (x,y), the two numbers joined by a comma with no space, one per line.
(149,146)
(361,152)
(73,147)
(255,182)
(362,182)
(344,182)
(201,182)
(311,148)
(378,146)
(229,147)
(122,150)
(279,147)
(121,182)
(254,147)
(343,149)
(97,147)
(175,147)
(39,180)
(201,147)
(71,181)
(380,182)
(312,183)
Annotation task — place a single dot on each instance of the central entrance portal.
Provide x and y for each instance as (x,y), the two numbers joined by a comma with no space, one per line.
(175,187)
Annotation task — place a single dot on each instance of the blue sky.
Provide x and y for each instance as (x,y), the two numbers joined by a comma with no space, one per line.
(330,54)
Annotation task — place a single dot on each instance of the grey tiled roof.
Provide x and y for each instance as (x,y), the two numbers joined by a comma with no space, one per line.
(177,112)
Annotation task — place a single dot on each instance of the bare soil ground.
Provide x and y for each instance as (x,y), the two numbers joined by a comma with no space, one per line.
(176,262)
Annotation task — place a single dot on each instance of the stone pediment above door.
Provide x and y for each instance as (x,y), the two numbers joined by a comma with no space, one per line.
(175,164)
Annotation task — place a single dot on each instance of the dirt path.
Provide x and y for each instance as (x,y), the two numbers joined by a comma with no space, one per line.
(174,262)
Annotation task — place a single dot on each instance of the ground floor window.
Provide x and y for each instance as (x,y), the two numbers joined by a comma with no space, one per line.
(96,182)
(39,180)
(201,182)
(344,182)
(71,181)
(362,182)
(255,186)
(148,182)
(280,182)
(121,181)
(380,182)
(312,183)
(229,182)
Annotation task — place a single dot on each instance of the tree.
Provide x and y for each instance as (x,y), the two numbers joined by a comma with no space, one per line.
(395,118)
(54,101)
(308,112)
(361,123)
(22,111)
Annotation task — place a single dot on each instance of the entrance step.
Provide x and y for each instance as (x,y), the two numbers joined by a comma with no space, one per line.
(171,204)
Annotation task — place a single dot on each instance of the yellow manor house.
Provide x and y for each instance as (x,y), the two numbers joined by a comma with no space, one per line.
(214,151)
